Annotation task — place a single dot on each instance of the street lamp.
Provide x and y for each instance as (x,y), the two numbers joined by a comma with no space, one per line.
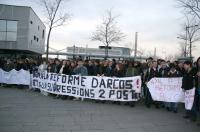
(190,41)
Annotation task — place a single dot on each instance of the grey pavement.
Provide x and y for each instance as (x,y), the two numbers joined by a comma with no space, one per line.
(22,110)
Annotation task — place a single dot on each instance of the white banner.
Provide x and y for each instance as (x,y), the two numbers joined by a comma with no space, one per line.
(92,87)
(169,90)
(189,98)
(15,77)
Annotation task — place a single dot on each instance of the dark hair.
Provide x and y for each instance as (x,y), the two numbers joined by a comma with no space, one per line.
(172,65)
(150,58)
(197,63)
(188,63)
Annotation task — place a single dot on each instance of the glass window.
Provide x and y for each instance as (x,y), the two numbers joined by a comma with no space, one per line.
(12,26)
(11,36)
(42,33)
(2,25)
(8,30)
(2,36)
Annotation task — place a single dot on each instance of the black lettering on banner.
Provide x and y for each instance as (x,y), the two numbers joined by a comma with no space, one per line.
(49,87)
(69,89)
(121,84)
(35,74)
(112,92)
(102,83)
(42,85)
(119,94)
(114,83)
(70,79)
(55,87)
(109,83)
(94,83)
(51,76)
(92,93)
(63,89)
(58,88)
(129,84)
(64,78)
(101,93)
(81,92)
(77,91)
(134,94)
(42,75)
(125,93)
(35,83)
(82,81)
(58,77)
(87,92)
(76,78)
(73,90)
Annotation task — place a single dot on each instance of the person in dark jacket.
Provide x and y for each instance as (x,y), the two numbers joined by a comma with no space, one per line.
(8,66)
(97,68)
(133,69)
(90,68)
(118,72)
(180,68)
(51,66)
(57,66)
(188,83)
(65,68)
(164,69)
(197,80)
(107,69)
(151,73)
(21,65)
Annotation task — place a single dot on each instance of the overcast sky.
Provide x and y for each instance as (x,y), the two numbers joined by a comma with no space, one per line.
(158,23)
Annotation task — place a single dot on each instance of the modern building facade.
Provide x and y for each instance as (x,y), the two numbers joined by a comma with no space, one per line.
(21,31)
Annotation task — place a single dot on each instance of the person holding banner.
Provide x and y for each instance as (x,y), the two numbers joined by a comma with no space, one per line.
(172,106)
(65,69)
(118,72)
(163,71)
(41,69)
(198,90)
(188,83)
(151,73)
(133,70)
(80,70)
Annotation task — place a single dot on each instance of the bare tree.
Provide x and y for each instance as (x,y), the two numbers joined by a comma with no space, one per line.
(191,7)
(183,50)
(108,32)
(54,16)
(190,34)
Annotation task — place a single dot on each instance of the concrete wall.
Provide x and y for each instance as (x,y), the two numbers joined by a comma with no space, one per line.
(36,29)
(25,30)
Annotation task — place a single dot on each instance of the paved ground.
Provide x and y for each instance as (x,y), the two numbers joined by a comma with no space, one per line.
(27,111)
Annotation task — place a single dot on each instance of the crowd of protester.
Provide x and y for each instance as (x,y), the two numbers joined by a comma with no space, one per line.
(122,68)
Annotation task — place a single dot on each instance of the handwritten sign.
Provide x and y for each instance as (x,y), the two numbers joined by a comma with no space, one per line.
(169,90)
